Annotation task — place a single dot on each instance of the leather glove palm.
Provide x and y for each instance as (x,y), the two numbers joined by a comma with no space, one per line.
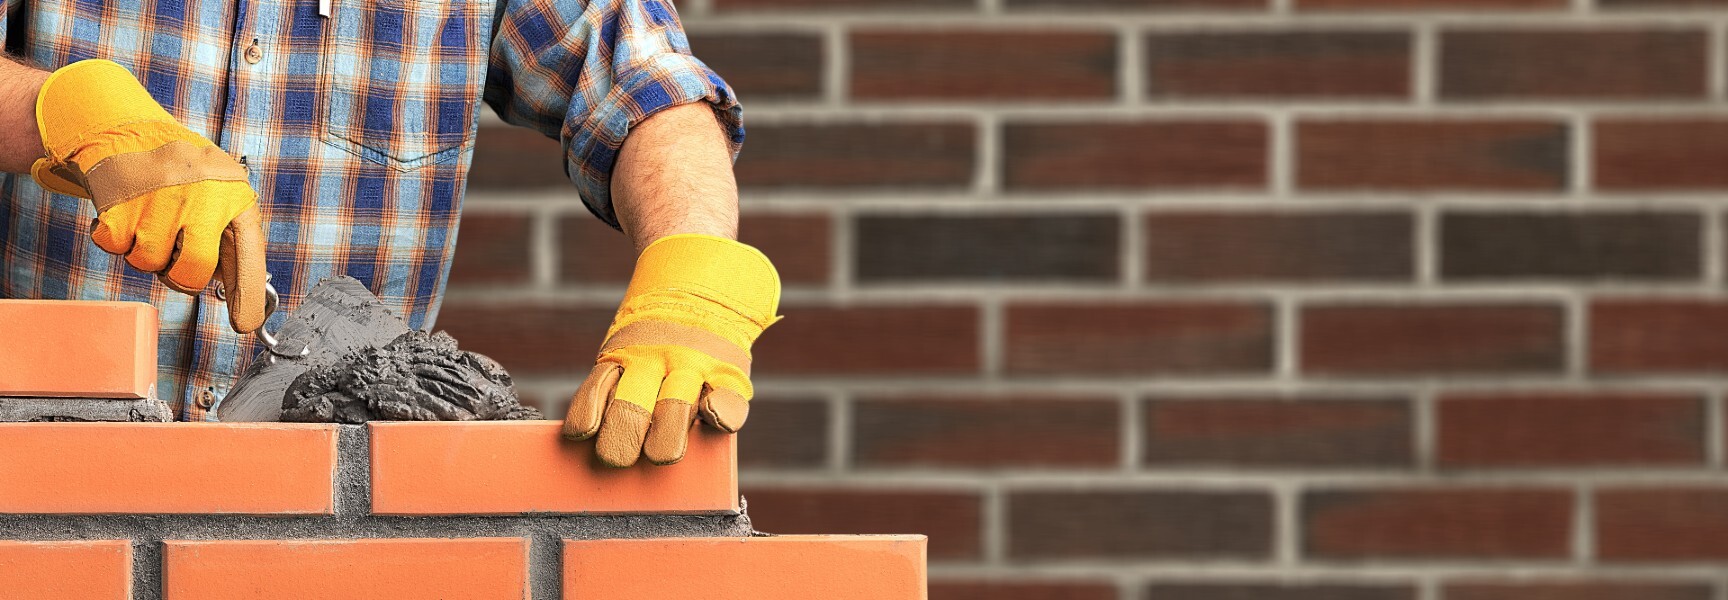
(678,348)
(167,199)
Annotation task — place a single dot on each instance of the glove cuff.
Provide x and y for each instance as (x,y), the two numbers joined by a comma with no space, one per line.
(734,277)
(90,110)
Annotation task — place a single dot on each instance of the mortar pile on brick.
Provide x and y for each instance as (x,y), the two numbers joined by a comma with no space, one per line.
(1343,299)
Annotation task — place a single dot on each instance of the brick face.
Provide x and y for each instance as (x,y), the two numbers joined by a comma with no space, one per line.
(1578,590)
(1586,247)
(987,590)
(1437,524)
(1658,336)
(1374,5)
(1124,525)
(1077,248)
(1225,5)
(779,66)
(986,432)
(514,158)
(982,65)
(1205,247)
(494,251)
(1364,64)
(1272,433)
(785,433)
(1661,154)
(873,340)
(1134,339)
(1528,156)
(1135,155)
(530,339)
(951,519)
(1592,64)
(1390,340)
(1269,591)
(901,155)
(1652,524)
(800,5)
(1570,430)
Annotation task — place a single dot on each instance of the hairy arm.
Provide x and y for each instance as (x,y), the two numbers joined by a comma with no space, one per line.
(674,175)
(20,143)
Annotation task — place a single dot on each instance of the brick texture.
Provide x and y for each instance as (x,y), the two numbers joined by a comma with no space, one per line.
(514,158)
(1272,433)
(779,66)
(1658,336)
(1437,524)
(986,432)
(1570,430)
(919,248)
(785,433)
(1578,590)
(871,340)
(1350,64)
(980,65)
(99,349)
(1381,340)
(753,568)
(1020,590)
(1588,247)
(377,568)
(1591,64)
(1121,525)
(1395,5)
(1654,524)
(1431,155)
(530,339)
(1210,247)
(951,519)
(93,570)
(1267,591)
(801,5)
(911,155)
(1661,154)
(1135,155)
(495,251)
(1186,5)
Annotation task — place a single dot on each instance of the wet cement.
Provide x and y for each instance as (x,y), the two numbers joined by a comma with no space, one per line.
(415,377)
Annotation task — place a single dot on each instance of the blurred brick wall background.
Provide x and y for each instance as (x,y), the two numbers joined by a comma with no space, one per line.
(1206,299)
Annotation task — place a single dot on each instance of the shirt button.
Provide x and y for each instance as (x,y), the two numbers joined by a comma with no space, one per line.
(206,399)
(254,53)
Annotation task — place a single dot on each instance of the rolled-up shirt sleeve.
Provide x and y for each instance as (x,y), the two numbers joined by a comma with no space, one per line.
(587,71)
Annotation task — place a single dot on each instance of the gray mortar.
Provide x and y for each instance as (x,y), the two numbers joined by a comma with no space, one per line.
(544,532)
(25,410)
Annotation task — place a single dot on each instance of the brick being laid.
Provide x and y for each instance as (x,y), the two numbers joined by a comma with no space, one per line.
(400,569)
(80,570)
(77,349)
(509,467)
(167,468)
(831,567)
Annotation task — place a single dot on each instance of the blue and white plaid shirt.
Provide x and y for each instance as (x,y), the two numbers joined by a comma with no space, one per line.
(357,124)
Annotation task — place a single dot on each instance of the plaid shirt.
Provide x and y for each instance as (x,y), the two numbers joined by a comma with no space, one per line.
(357,128)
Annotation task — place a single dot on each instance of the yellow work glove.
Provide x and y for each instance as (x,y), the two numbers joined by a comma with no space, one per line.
(679,348)
(166,198)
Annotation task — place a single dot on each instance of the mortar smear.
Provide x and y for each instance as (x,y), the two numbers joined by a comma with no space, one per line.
(416,377)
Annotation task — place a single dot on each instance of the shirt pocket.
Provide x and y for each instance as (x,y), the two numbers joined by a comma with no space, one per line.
(402,78)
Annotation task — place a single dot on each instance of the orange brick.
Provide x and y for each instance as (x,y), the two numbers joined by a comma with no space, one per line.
(78,349)
(399,569)
(86,468)
(99,570)
(796,567)
(524,466)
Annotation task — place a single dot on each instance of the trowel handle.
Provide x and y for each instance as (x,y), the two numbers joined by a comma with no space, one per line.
(271,300)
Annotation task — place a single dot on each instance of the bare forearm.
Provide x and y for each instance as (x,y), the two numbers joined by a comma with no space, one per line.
(674,175)
(20,144)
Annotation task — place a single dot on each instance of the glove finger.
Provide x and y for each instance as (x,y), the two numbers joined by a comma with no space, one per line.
(194,259)
(153,243)
(115,229)
(621,434)
(240,265)
(669,430)
(725,409)
(583,419)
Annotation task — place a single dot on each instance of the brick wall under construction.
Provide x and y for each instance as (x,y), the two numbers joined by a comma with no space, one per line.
(1205,299)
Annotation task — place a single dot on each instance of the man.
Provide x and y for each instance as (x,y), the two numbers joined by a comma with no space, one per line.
(312,138)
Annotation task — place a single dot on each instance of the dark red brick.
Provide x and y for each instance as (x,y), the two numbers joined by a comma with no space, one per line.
(983,65)
(1139,339)
(1432,155)
(899,155)
(1573,246)
(1662,524)
(1020,590)
(1577,590)
(1576,64)
(785,433)
(1634,4)
(797,5)
(1659,336)
(1414,339)
(951,519)
(1273,433)
(1661,154)
(797,243)
(871,340)
(988,248)
(1135,155)
(1309,247)
(764,65)
(1184,5)
(1359,5)
(1437,523)
(528,338)
(1570,430)
(516,158)
(592,252)
(491,249)
(1281,64)
(1117,524)
(987,432)
(1281,591)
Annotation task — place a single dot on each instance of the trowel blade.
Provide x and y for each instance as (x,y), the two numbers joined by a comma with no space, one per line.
(338,316)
